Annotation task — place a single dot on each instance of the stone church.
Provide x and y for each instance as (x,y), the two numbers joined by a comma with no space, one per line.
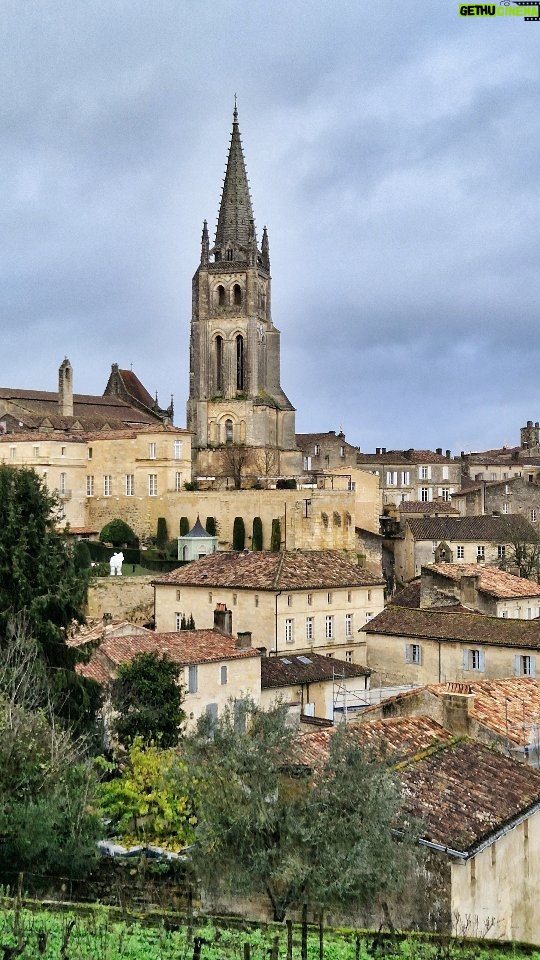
(235,395)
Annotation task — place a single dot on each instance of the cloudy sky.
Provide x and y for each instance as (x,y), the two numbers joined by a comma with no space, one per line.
(392,151)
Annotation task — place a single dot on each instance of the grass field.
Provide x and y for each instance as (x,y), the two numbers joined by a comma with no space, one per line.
(98,934)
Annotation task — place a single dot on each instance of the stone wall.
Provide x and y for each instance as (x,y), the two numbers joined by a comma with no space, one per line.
(129,598)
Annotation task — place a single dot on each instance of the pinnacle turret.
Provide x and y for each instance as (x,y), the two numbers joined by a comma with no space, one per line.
(235,227)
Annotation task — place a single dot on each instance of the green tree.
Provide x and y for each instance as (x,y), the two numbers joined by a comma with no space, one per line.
(81,556)
(48,822)
(39,581)
(184,526)
(266,825)
(211,526)
(147,697)
(152,799)
(162,534)
(117,532)
(257,538)
(239,534)
(275,539)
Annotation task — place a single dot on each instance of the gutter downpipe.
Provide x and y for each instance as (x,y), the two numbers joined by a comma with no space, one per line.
(278,594)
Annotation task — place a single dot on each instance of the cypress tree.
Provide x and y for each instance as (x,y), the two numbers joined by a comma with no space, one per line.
(275,542)
(257,540)
(239,534)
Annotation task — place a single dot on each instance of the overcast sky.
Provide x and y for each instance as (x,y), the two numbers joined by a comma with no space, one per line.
(392,151)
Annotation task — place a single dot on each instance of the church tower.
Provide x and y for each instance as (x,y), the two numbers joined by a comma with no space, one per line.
(235,396)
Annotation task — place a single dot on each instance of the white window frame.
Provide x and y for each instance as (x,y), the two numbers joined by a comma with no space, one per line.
(460,552)
(481,551)
(413,653)
(524,665)
(152,450)
(177,449)
(310,628)
(329,626)
(474,659)
(107,485)
(90,486)
(406,478)
(130,484)
(289,630)
(348,624)
(178,616)
(152,484)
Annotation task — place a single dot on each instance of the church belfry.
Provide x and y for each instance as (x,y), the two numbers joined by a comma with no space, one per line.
(235,396)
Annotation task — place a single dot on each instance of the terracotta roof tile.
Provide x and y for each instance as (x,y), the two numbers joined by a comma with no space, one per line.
(509,707)
(433,507)
(493,581)
(290,570)
(183,647)
(455,626)
(461,791)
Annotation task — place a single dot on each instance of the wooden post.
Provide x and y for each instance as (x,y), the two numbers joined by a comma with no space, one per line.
(321,935)
(247,951)
(190,914)
(304,931)
(289,939)
(274,952)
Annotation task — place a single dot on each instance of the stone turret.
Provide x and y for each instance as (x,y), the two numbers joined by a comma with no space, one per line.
(65,389)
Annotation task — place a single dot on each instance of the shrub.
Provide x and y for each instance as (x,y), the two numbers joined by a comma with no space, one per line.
(184,526)
(162,534)
(257,541)
(81,555)
(275,541)
(239,534)
(117,532)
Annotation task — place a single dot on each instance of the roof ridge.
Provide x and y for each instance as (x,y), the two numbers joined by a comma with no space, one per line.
(277,576)
(435,747)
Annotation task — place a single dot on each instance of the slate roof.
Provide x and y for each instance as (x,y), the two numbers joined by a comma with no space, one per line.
(292,669)
(462,792)
(263,570)
(433,507)
(182,647)
(403,456)
(493,581)
(483,528)
(455,626)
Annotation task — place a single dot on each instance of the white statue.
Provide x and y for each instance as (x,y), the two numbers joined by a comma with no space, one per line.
(115,563)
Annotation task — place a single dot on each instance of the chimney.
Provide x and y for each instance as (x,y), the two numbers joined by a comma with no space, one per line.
(439,451)
(468,589)
(457,703)
(448,454)
(244,640)
(223,619)
(65,389)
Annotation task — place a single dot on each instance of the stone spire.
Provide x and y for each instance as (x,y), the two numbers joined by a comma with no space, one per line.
(205,245)
(235,220)
(265,250)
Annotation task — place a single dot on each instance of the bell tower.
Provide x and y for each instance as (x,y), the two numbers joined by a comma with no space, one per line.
(235,396)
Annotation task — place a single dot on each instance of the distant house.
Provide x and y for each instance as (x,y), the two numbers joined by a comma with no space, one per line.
(502,713)
(480,539)
(196,543)
(480,815)
(416,475)
(317,686)
(216,668)
(295,600)
(478,588)
(420,646)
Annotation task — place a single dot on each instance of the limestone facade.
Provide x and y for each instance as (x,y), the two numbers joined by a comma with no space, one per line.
(294,601)
(235,395)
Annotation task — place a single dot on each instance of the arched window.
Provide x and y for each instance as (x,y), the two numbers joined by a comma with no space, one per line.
(228,431)
(219,363)
(221,295)
(237,294)
(239,363)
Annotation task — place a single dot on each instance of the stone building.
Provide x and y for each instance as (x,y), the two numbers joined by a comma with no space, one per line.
(414,647)
(294,601)
(421,475)
(235,394)
(480,589)
(322,452)
(517,495)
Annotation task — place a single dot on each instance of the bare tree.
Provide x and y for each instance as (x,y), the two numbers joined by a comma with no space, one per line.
(523,547)
(267,462)
(236,461)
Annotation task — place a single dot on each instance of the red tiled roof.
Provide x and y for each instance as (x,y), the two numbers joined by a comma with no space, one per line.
(183,647)
(455,626)
(493,581)
(433,507)
(509,707)
(462,792)
(263,570)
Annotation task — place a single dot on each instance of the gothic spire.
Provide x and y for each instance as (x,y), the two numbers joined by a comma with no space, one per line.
(235,212)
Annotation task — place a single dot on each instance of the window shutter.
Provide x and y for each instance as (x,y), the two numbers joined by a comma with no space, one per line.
(439,492)
(533,666)
(419,473)
(430,495)
(482,661)
(429,473)
(407,653)
(419,654)
(517,666)
(465,659)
